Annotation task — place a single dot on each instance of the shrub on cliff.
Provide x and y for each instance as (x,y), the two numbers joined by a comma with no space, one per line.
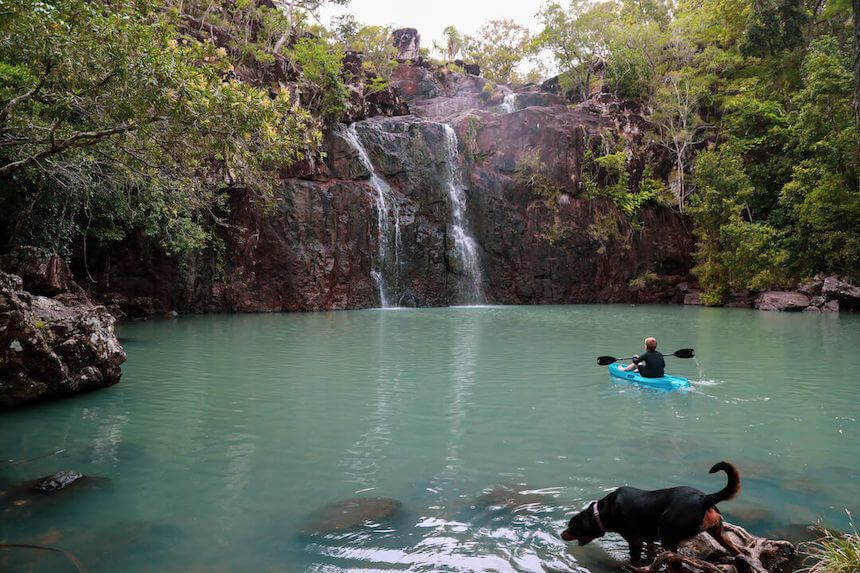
(111,120)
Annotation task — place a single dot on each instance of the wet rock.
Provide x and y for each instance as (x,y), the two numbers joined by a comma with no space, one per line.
(830,306)
(49,349)
(351,513)
(315,250)
(782,301)
(811,308)
(512,498)
(57,481)
(845,293)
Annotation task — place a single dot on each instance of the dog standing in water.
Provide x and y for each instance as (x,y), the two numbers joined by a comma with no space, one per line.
(669,515)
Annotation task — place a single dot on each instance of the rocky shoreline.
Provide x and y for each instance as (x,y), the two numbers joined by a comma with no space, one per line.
(819,294)
(51,346)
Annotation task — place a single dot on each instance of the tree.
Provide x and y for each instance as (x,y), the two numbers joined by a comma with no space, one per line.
(498,48)
(321,87)
(376,43)
(679,126)
(110,120)
(731,253)
(576,37)
(453,45)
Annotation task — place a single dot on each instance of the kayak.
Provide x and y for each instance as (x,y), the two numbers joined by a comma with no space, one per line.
(663,382)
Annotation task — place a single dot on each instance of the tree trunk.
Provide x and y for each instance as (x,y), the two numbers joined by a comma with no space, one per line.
(855,5)
(855,8)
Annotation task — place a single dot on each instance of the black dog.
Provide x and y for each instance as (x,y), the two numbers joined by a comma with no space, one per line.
(670,515)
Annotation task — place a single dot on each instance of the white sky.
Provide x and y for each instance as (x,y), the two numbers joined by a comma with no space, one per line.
(430,17)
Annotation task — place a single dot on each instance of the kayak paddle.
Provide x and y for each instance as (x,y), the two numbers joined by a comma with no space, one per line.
(683,353)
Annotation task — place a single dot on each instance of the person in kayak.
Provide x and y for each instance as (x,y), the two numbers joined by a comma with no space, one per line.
(650,364)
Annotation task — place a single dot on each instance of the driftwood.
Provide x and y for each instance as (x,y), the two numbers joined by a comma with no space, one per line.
(703,554)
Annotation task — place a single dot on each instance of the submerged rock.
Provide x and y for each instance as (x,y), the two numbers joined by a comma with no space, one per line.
(511,498)
(50,349)
(57,481)
(350,513)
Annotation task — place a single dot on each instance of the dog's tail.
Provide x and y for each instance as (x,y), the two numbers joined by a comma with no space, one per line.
(732,488)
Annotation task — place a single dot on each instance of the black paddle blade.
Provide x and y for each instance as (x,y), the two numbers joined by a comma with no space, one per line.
(604,360)
(685,353)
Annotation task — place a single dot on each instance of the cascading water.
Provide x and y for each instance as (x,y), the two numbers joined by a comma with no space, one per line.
(509,103)
(464,243)
(387,208)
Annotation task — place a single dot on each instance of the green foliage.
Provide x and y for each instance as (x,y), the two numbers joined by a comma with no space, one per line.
(324,92)
(643,280)
(732,253)
(113,121)
(609,230)
(376,43)
(606,176)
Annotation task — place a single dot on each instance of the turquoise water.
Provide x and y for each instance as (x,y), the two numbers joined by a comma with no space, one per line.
(227,433)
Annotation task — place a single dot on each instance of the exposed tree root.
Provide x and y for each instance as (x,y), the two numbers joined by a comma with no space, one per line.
(703,554)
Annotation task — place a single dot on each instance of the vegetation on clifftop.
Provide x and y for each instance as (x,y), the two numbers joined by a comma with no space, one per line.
(113,120)
(768,88)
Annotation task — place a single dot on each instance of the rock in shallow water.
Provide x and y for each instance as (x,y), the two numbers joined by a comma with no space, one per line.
(57,481)
(350,513)
(50,349)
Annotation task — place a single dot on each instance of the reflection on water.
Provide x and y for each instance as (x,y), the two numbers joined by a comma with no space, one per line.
(485,427)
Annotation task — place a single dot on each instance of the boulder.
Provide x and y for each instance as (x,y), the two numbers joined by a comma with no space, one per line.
(693,298)
(42,273)
(811,308)
(782,301)
(812,287)
(50,349)
(408,43)
(57,481)
(830,306)
(847,294)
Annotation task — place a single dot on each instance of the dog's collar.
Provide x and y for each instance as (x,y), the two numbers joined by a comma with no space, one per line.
(597,517)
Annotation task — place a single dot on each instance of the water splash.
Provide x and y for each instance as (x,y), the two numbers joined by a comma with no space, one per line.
(387,208)
(464,243)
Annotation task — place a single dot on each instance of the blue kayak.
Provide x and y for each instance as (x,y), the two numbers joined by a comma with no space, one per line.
(664,382)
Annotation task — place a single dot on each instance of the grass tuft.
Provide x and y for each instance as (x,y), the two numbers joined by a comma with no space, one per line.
(834,552)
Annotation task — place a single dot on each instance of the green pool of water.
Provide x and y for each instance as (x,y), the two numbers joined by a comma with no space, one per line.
(228,432)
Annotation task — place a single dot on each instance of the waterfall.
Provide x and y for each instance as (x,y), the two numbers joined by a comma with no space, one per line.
(386,208)
(509,103)
(464,243)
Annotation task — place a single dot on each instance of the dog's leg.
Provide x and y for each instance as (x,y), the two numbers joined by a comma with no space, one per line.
(635,545)
(651,552)
(720,536)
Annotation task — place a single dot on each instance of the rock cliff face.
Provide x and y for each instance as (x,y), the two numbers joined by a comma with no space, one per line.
(427,209)
(52,347)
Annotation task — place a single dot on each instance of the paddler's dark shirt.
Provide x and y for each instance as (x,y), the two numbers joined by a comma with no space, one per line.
(651,364)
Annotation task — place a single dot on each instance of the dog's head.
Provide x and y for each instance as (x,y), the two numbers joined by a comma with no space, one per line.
(583,527)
